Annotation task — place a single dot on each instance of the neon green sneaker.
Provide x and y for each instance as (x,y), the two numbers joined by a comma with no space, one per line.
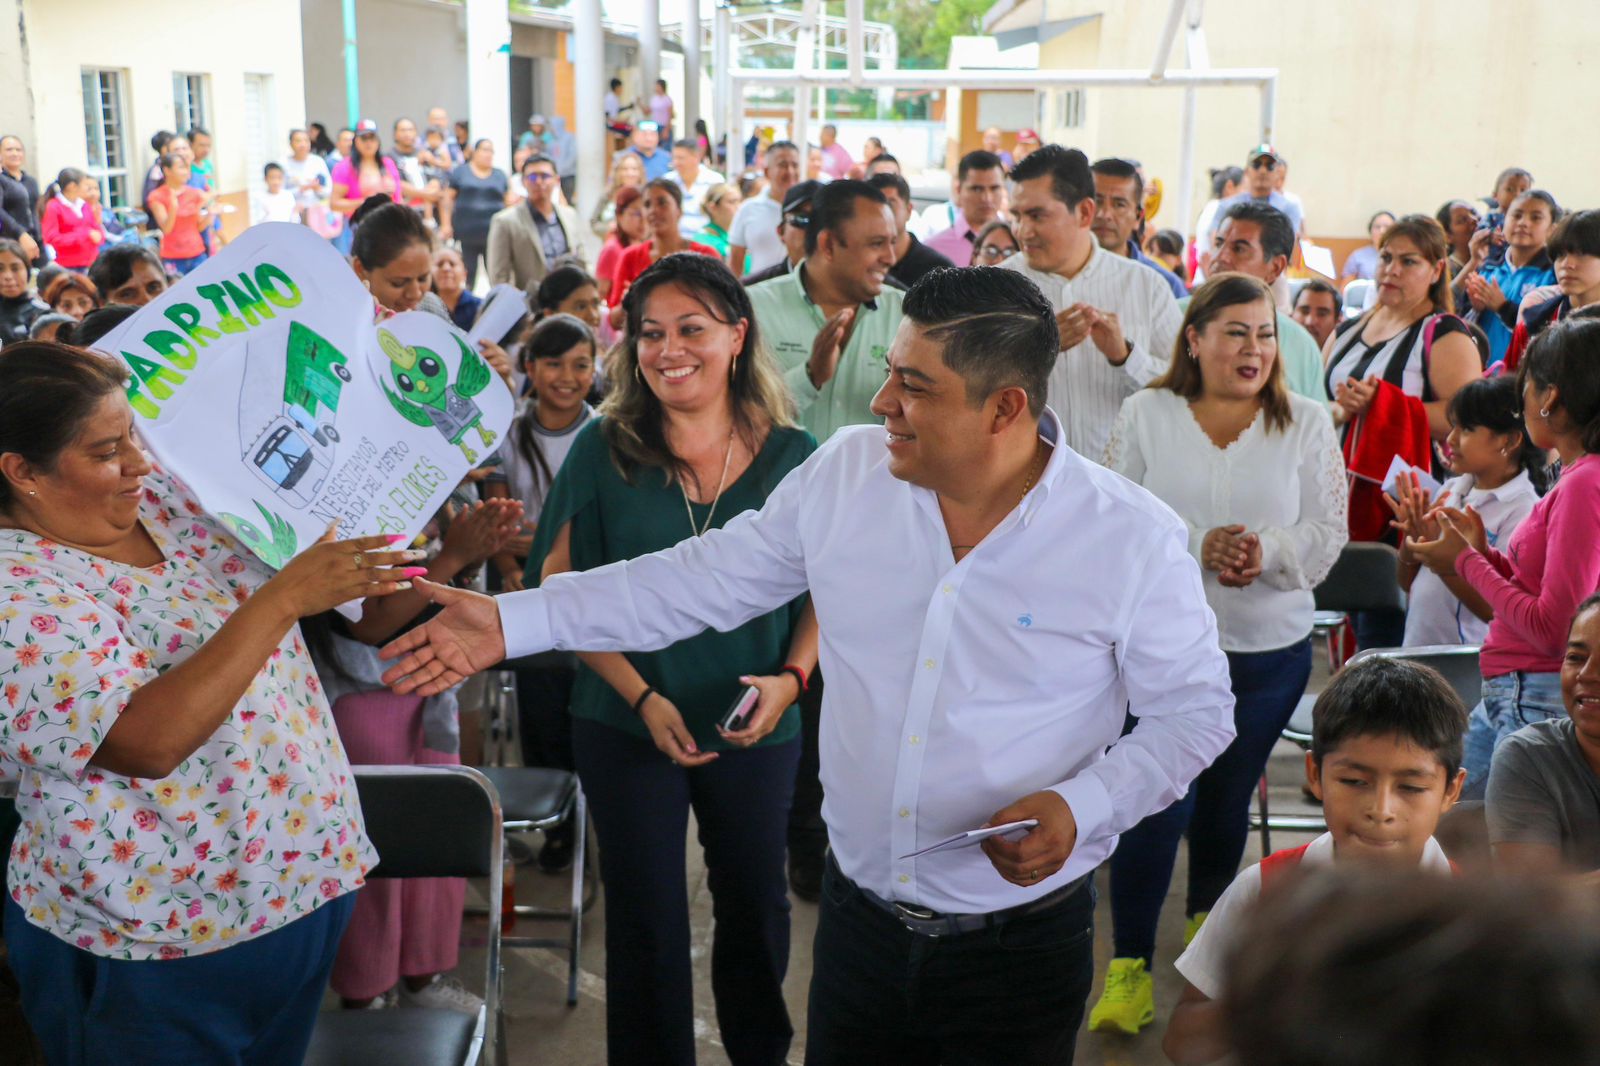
(1128,1003)
(1193,927)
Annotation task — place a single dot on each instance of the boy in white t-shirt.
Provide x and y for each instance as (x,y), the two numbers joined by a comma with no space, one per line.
(1385,761)
(276,203)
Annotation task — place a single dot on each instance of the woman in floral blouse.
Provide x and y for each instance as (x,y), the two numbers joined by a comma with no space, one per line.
(190,835)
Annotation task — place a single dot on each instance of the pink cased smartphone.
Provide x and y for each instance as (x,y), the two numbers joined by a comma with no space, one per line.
(739,714)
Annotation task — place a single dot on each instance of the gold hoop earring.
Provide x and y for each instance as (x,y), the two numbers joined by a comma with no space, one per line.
(638,372)
(1544,412)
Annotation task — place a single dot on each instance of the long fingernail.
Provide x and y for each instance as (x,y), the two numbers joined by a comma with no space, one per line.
(414,571)
(413,556)
(398,538)
(402,586)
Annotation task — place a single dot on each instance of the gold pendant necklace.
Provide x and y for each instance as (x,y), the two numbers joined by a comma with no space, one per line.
(727,462)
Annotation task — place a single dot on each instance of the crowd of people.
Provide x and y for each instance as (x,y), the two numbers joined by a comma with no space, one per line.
(1008,510)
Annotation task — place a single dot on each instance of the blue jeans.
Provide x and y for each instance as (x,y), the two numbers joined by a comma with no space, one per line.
(1215,812)
(252,1004)
(1509,702)
(641,802)
(182,267)
(1011,993)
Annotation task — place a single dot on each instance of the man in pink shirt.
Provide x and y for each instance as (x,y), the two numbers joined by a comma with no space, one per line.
(836,161)
(979,191)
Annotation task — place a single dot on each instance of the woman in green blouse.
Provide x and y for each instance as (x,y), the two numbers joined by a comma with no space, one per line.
(697,428)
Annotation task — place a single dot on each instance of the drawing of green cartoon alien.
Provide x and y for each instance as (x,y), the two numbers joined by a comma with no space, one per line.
(426,397)
(275,547)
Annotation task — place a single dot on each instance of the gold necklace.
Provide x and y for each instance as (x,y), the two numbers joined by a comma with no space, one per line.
(1033,474)
(727,462)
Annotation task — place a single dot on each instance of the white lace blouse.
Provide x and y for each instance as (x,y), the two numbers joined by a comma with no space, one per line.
(1286,486)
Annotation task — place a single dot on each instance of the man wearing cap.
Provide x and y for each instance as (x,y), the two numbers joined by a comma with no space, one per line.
(1027,141)
(695,181)
(645,142)
(1261,186)
(534,141)
(792,225)
(753,242)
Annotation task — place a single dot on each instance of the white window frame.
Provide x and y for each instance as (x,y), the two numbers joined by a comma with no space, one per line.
(191,101)
(106,148)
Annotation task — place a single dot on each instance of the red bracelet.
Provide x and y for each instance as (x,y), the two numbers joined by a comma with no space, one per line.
(799,675)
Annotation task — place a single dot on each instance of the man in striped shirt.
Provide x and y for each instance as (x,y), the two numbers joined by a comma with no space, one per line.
(1117,318)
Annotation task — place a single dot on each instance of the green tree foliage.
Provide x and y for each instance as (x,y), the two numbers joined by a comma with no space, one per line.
(925,28)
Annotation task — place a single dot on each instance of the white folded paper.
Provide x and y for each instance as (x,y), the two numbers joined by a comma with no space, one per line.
(978,836)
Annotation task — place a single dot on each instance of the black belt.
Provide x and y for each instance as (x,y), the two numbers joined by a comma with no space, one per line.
(925,922)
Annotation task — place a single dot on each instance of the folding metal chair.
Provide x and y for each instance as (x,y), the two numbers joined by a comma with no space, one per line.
(425,821)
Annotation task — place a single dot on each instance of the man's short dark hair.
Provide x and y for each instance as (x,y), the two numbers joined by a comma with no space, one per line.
(1381,696)
(1577,234)
(777,145)
(834,205)
(1068,170)
(884,182)
(686,143)
(196,131)
(884,157)
(1318,285)
(997,329)
(616,83)
(1277,232)
(1121,169)
(534,160)
(979,160)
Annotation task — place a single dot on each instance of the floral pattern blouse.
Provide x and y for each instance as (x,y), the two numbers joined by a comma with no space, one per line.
(258,827)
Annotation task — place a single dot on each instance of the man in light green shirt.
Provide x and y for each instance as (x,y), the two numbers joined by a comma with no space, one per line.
(831,320)
(1257,239)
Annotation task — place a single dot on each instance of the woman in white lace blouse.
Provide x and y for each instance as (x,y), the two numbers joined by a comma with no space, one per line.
(1256,474)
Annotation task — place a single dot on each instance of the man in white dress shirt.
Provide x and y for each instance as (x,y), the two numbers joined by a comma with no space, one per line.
(992,605)
(1118,319)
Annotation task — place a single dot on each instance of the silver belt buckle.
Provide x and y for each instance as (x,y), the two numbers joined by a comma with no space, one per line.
(909,914)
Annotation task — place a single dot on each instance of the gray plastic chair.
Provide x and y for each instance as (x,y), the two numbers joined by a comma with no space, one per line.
(1364,578)
(424,821)
(1458,663)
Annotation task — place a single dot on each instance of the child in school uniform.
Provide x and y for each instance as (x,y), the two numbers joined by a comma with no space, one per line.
(1385,761)
(1501,475)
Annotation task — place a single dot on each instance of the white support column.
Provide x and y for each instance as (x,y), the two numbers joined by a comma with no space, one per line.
(649,49)
(1186,163)
(1269,108)
(805,43)
(889,61)
(489,72)
(589,48)
(721,80)
(693,67)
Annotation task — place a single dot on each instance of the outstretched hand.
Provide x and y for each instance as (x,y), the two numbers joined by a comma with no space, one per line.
(461,640)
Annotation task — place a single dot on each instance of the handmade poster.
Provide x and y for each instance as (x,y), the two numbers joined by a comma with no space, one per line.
(263,382)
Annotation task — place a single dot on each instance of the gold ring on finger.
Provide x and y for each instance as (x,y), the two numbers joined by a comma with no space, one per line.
(360,559)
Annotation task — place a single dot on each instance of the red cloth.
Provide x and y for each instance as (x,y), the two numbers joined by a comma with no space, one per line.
(1393,424)
(70,233)
(636,259)
(1279,863)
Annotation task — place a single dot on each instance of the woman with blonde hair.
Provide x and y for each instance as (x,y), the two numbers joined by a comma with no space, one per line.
(697,428)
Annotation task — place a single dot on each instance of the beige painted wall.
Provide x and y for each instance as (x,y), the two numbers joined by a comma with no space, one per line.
(238,38)
(1381,104)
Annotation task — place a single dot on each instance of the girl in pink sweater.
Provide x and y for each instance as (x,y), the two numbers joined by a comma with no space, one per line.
(1553,560)
(71,223)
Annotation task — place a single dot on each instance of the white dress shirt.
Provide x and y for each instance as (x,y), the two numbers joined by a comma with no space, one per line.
(1084,386)
(954,688)
(1434,615)
(1288,487)
(694,217)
